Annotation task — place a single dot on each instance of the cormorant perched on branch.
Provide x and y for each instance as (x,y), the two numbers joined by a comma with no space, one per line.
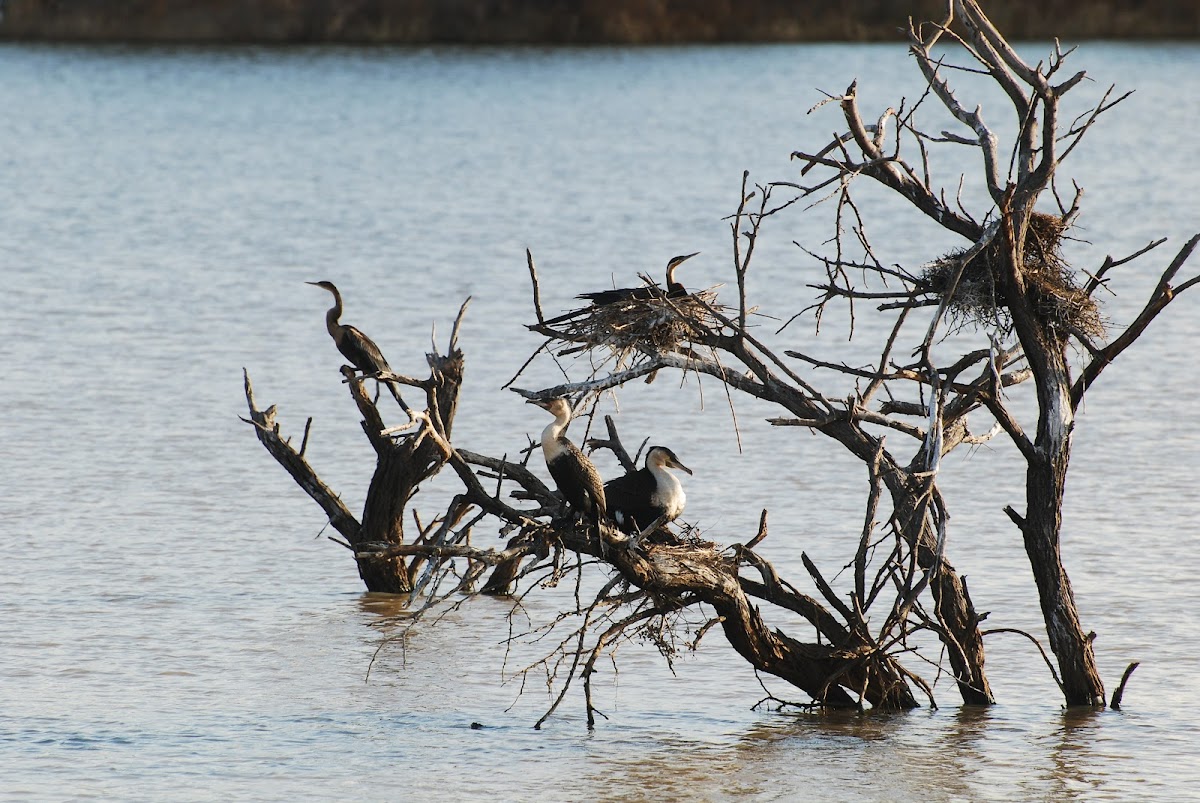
(573,473)
(644,293)
(356,347)
(641,497)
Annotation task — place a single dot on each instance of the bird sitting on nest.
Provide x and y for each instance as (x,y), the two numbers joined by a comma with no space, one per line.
(645,292)
(649,497)
(620,295)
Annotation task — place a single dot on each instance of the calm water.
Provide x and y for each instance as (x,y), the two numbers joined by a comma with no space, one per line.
(174,623)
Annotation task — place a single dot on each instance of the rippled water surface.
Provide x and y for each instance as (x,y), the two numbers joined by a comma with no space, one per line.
(175,624)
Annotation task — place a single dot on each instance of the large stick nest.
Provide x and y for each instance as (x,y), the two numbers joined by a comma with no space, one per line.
(639,328)
(1059,301)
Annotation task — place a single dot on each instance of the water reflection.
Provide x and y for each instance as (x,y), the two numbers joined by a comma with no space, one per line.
(1076,762)
(385,606)
(965,754)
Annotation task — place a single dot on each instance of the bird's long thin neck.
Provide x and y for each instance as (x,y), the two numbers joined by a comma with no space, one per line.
(671,273)
(332,316)
(664,480)
(554,431)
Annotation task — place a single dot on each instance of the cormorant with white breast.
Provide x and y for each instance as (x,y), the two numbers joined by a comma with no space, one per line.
(644,293)
(641,497)
(355,346)
(573,473)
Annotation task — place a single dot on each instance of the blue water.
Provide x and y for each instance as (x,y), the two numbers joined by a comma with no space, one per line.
(176,626)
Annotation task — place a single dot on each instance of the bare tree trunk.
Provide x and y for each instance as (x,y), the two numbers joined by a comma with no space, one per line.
(383,522)
(405,457)
(1045,345)
(1040,530)
(400,467)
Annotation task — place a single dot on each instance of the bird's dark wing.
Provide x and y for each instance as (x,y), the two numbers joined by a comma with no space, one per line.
(602,298)
(628,500)
(579,481)
(361,351)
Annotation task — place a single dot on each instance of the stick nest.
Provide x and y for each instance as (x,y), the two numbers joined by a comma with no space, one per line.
(635,327)
(1059,301)
(687,541)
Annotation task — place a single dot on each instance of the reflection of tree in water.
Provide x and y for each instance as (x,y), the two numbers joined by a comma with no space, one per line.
(1077,768)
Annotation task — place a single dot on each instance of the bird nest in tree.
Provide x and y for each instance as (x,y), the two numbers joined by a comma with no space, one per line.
(1060,302)
(693,549)
(641,326)
(688,540)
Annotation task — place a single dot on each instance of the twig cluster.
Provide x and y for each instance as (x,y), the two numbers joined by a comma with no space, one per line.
(636,329)
(977,299)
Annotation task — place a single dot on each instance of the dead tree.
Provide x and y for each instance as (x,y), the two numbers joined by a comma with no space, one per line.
(406,456)
(1009,280)
(899,417)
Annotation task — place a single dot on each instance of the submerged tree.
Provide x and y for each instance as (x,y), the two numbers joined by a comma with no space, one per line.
(1009,280)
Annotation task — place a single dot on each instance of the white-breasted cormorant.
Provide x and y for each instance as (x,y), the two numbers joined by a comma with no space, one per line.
(644,293)
(573,473)
(641,497)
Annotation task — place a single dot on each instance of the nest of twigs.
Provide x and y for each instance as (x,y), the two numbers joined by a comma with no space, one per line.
(656,325)
(1059,300)
(687,540)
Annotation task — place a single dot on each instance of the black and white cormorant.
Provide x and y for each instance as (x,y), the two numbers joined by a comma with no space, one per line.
(356,347)
(573,473)
(674,289)
(641,497)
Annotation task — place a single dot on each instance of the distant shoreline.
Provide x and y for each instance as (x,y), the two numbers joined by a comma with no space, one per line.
(626,22)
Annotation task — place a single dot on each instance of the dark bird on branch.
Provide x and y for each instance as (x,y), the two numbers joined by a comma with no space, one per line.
(573,473)
(644,293)
(355,346)
(641,497)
